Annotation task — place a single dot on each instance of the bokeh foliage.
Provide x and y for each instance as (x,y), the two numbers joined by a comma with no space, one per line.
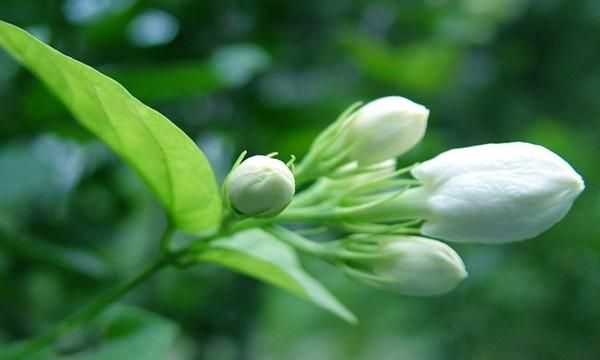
(267,76)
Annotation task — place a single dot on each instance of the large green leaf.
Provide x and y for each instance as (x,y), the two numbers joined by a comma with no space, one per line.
(168,161)
(258,254)
(149,83)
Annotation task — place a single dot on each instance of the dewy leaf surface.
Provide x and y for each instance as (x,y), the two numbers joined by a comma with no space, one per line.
(258,254)
(167,159)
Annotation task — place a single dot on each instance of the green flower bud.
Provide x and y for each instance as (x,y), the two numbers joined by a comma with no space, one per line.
(408,265)
(385,128)
(260,186)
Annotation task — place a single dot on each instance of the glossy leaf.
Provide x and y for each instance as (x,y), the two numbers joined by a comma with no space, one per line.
(168,160)
(260,255)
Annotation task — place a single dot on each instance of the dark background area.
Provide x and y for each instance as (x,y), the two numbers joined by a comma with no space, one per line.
(267,76)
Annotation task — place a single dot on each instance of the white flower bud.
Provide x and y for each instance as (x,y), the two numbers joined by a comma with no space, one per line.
(385,128)
(260,186)
(413,266)
(494,193)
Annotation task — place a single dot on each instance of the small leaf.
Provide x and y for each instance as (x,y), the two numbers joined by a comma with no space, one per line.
(260,255)
(167,159)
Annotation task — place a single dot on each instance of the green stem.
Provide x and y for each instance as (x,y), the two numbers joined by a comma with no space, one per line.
(34,345)
(331,251)
(305,172)
(410,204)
(300,243)
(308,214)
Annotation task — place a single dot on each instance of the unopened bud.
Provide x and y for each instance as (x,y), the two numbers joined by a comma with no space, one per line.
(385,128)
(494,193)
(260,186)
(411,265)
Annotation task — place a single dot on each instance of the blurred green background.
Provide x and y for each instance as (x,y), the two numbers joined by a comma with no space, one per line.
(268,76)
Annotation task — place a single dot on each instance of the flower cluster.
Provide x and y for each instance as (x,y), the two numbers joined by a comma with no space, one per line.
(395,220)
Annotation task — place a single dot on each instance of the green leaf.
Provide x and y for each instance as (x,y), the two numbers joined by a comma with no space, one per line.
(130,333)
(168,160)
(151,84)
(260,255)
(125,332)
